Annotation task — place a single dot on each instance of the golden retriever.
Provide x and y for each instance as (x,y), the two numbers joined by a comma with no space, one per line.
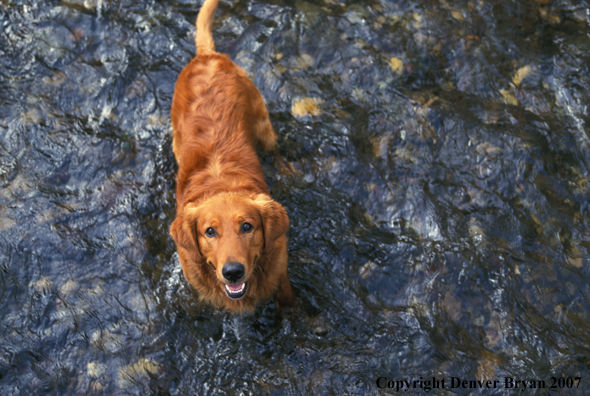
(230,234)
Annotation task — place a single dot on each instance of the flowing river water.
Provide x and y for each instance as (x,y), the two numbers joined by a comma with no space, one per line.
(433,158)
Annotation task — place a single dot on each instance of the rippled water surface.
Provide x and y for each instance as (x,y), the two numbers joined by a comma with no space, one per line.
(433,158)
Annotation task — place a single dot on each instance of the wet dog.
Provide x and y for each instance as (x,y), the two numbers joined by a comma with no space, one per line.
(230,234)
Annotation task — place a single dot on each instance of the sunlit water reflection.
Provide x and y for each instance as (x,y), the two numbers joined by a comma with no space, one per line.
(433,159)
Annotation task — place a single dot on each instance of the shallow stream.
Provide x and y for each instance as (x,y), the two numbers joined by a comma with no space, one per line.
(433,158)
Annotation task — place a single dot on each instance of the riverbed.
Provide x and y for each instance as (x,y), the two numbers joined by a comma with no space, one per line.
(433,158)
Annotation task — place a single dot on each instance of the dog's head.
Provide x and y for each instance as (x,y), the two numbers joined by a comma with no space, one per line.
(230,232)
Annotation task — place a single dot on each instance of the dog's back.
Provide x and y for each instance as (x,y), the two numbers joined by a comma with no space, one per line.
(217,116)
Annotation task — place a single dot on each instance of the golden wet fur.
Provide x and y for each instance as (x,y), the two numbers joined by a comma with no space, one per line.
(218,115)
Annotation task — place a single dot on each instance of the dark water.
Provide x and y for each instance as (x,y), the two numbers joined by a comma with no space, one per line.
(433,158)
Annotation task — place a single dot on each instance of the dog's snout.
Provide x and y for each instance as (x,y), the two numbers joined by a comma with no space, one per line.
(233,271)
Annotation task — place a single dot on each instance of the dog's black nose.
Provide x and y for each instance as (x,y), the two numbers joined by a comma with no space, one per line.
(233,271)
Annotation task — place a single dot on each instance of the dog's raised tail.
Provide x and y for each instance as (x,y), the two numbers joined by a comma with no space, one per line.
(204,39)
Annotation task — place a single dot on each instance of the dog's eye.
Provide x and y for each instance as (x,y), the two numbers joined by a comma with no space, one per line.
(247,227)
(210,232)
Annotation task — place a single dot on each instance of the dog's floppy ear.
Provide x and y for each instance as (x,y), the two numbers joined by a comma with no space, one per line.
(275,221)
(184,231)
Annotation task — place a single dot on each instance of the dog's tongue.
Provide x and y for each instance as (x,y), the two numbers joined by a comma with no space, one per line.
(235,287)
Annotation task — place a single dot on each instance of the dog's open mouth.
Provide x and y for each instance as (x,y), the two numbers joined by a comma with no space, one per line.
(236,290)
